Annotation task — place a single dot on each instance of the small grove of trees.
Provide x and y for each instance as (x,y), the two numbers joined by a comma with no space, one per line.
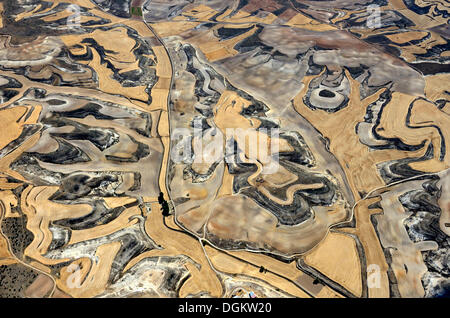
(136,11)
(164,205)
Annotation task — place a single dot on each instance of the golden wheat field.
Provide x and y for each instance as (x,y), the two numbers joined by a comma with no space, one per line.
(218,149)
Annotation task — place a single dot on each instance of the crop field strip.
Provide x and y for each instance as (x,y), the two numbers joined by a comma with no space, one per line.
(93,92)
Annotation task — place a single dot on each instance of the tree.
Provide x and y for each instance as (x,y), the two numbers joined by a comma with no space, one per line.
(164,205)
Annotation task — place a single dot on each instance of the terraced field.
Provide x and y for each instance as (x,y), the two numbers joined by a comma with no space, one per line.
(194,148)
